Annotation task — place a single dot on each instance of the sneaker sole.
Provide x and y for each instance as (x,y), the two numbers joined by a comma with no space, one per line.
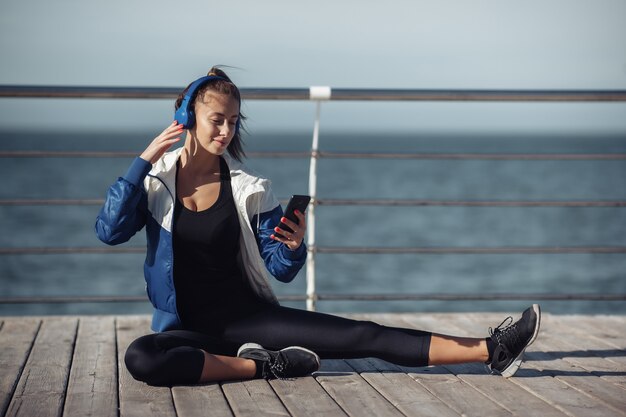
(247,346)
(510,370)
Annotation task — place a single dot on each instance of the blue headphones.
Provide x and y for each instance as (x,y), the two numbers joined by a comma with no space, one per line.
(184,115)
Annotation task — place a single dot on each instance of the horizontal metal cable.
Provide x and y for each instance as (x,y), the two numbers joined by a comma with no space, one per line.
(469,250)
(360,202)
(119,154)
(66,154)
(73,299)
(51,202)
(467,203)
(344,94)
(340,155)
(337,297)
(346,250)
(74,250)
(472,156)
(469,297)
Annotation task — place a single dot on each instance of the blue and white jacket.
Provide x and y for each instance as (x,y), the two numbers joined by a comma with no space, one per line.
(145,197)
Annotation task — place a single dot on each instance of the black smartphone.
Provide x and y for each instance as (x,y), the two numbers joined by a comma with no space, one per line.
(296,202)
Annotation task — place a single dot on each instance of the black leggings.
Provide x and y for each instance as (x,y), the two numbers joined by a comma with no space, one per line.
(176,357)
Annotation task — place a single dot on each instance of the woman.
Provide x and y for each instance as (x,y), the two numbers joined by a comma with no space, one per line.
(212,236)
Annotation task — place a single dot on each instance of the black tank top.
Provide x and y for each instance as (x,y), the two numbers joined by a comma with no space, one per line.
(210,285)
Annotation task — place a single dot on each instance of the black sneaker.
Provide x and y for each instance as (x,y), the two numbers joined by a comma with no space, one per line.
(290,362)
(512,340)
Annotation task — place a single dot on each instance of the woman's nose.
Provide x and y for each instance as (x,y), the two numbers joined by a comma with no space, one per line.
(225,129)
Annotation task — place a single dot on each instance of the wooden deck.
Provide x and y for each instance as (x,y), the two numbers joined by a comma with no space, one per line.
(73,366)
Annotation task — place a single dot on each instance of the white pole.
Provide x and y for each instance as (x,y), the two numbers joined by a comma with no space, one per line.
(318,94)
(310,262)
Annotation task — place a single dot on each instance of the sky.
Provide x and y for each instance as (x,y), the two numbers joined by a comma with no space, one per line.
(447,44)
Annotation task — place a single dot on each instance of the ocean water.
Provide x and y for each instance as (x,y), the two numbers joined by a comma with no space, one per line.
(121,274)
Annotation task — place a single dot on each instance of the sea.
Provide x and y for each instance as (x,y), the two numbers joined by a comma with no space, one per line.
(28,226)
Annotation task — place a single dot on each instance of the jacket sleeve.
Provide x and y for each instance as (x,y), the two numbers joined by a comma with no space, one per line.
(282,262)
(125,207)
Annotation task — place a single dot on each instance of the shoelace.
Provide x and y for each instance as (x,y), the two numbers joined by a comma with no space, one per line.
(277,366)
(505,332)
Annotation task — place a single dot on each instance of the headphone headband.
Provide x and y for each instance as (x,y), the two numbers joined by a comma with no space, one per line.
(196,84)
(184,115)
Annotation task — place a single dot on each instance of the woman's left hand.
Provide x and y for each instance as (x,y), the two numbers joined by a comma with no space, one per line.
(294,239)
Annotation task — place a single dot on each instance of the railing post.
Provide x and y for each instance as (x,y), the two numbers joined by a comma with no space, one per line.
(318,94)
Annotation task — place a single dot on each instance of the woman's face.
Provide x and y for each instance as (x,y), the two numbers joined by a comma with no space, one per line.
(216,120)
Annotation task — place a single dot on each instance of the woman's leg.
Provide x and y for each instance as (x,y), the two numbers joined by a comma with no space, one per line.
(333,337)
(450,349)
(226,368)
(182,357)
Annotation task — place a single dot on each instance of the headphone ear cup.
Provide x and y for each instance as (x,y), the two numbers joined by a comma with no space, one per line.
(182,116)
(191,119)
(185,117)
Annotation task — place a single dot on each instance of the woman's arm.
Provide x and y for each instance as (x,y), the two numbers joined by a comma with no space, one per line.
(125,207)
(282,262)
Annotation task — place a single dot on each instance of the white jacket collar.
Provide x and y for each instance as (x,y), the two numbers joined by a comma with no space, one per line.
(242,177)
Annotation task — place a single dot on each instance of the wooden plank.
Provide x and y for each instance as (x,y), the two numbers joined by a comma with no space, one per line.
(457,394)
(355,396)
(200,400)
(92,387)
(399,389)
(505,393)
(562,396)
(41,388)
(136,398)
(253,398)
(305,397)
(609,329)
(548,385)
(580,342)
(578,378)
(601,337)
(16,340)
(583,356)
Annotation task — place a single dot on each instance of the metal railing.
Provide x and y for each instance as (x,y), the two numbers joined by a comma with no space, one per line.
(319,95)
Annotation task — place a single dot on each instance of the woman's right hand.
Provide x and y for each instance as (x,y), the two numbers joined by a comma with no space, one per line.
(162,143)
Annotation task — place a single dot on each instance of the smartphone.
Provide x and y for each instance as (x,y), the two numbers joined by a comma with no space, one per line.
(296,202)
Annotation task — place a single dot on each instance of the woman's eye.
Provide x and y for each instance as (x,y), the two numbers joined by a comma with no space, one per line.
(217,122)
